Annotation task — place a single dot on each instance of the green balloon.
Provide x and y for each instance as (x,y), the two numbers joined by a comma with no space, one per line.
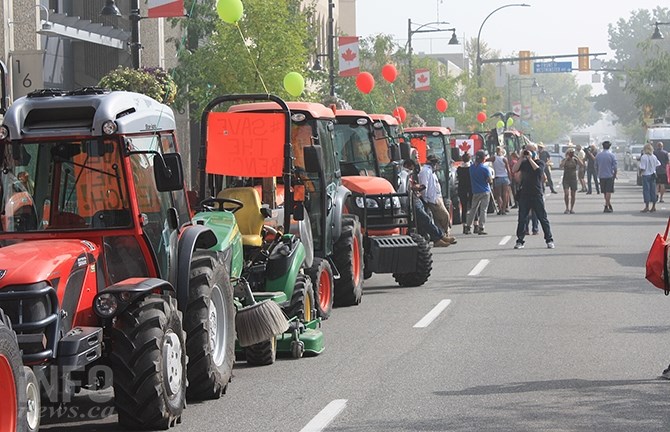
(230,11)
(500,124)
(294,83)
(510,122)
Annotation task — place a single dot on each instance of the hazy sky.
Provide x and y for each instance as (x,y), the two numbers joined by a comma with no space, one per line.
(547,27)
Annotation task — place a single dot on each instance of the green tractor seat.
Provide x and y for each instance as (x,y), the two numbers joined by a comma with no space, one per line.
(249,218)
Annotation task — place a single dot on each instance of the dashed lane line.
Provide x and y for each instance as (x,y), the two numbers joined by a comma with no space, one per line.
(504,240)
(479,267)
(434,313)
(327,415)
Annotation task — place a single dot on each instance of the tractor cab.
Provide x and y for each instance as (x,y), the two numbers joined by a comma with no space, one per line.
(386,130)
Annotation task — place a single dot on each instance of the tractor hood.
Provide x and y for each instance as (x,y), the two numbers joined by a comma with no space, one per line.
(41,260)
(367,185)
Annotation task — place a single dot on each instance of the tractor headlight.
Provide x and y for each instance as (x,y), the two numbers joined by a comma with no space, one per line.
(109,127)
(369,203)
(396,202)
(106,305)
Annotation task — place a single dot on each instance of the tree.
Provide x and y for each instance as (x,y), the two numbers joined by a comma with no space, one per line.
(153,82)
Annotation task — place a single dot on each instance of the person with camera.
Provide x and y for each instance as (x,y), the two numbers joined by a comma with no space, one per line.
(570,165)
(530,195)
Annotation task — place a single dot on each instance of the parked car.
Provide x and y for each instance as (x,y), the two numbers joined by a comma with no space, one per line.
(631,159)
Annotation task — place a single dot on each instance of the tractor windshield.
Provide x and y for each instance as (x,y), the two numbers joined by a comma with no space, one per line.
(63,185)
(352,142)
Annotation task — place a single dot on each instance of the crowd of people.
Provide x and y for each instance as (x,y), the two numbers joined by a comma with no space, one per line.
(497,183)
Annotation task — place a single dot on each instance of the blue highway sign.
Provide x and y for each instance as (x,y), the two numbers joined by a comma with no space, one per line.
(552,67)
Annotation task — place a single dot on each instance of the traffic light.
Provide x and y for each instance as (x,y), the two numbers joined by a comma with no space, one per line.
(484,103)
(524,65)
(583,61)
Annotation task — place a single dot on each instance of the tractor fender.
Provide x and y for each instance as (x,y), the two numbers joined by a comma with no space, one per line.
(137,288)
(339,203)
(192,237)
(286,260)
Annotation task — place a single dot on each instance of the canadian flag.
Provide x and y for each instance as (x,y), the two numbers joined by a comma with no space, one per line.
(348,52)
(165,8)
(422,79)
(516,108)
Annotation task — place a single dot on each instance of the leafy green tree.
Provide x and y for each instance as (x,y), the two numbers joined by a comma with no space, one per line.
(153,82)
(272,39)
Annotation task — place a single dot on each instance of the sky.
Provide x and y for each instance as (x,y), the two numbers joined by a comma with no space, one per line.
(547,27)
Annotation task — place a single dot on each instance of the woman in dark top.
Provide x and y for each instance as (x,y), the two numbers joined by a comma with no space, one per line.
(464,186)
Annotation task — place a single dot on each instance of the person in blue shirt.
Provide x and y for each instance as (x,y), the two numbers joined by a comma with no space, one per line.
(606,167)
(480,180)
(531,169)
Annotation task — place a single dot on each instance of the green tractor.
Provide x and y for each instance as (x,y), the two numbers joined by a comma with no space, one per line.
(247,160)
(336,235)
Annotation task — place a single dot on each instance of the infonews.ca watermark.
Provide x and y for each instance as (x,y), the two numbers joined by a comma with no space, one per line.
(71,394)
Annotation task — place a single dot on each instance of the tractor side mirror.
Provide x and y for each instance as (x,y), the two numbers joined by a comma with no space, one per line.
(405,150)
(313,157)
(168,172)
(394,152)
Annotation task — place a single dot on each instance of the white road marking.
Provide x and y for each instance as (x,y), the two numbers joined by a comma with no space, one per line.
(504,240)
(434,313)
(479,267)
(327,415)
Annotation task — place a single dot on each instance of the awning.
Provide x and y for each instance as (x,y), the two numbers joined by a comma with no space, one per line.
(71,27)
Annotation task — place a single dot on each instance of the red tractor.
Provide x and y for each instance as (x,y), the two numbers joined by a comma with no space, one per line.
(102,270)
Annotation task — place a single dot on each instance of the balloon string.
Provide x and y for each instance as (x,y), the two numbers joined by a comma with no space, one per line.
(372,104)
(396,105)
(237,24)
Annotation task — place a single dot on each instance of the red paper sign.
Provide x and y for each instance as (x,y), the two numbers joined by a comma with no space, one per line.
(245,144)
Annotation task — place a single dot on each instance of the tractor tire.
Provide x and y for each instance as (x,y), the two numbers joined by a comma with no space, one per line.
(424,265)
(14,406)
(210,326)
(148,359)
(321,275)
(261,354)
(33,400)
(348,256)
(301,305)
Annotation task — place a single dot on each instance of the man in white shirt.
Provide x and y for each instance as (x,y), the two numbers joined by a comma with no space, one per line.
(432,195)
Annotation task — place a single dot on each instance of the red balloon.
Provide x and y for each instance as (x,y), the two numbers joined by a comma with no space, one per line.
(365,82)
(441,105)
(400,114)
(481,117)
(389,72)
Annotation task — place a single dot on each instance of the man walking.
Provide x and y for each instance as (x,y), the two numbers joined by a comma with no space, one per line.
(591,153)
(531,196)
(546,158)
(480,180)
(661,175)
(607,169)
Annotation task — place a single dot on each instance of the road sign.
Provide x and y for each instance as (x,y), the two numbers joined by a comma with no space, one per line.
(552,67)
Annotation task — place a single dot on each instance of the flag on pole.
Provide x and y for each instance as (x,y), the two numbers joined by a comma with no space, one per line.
(516,108)
(348,52)
(165,8)
(422,79)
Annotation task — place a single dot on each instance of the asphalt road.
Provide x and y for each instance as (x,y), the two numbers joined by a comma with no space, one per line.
(569,339)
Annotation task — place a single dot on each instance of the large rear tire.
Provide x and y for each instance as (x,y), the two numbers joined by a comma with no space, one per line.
(210,326)
(348,258)
(424,265)
(322,281)
(148,358)
(12,384)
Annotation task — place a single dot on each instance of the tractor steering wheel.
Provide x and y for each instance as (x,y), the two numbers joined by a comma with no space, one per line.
(209,203)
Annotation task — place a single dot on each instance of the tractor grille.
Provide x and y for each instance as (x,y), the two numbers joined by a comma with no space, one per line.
(33,310)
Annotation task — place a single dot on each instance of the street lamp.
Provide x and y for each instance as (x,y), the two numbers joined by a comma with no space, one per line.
(510,79)
(410,32)
(657,33)
(111,9)
(479,58)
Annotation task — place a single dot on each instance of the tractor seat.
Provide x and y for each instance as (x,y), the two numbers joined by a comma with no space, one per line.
(249,218)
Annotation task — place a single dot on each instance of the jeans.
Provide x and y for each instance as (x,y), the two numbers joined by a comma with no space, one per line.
(480,203)
(536,204)
(424,223)
(534,222)
(649,189)
(466,201)
(592,173)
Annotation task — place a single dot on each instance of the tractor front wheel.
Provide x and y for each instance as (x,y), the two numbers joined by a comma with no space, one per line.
(322,281)
(424,265)
(148,358)
(301,305)
(261,354)
(210,326)
(12,410)
(348,259)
